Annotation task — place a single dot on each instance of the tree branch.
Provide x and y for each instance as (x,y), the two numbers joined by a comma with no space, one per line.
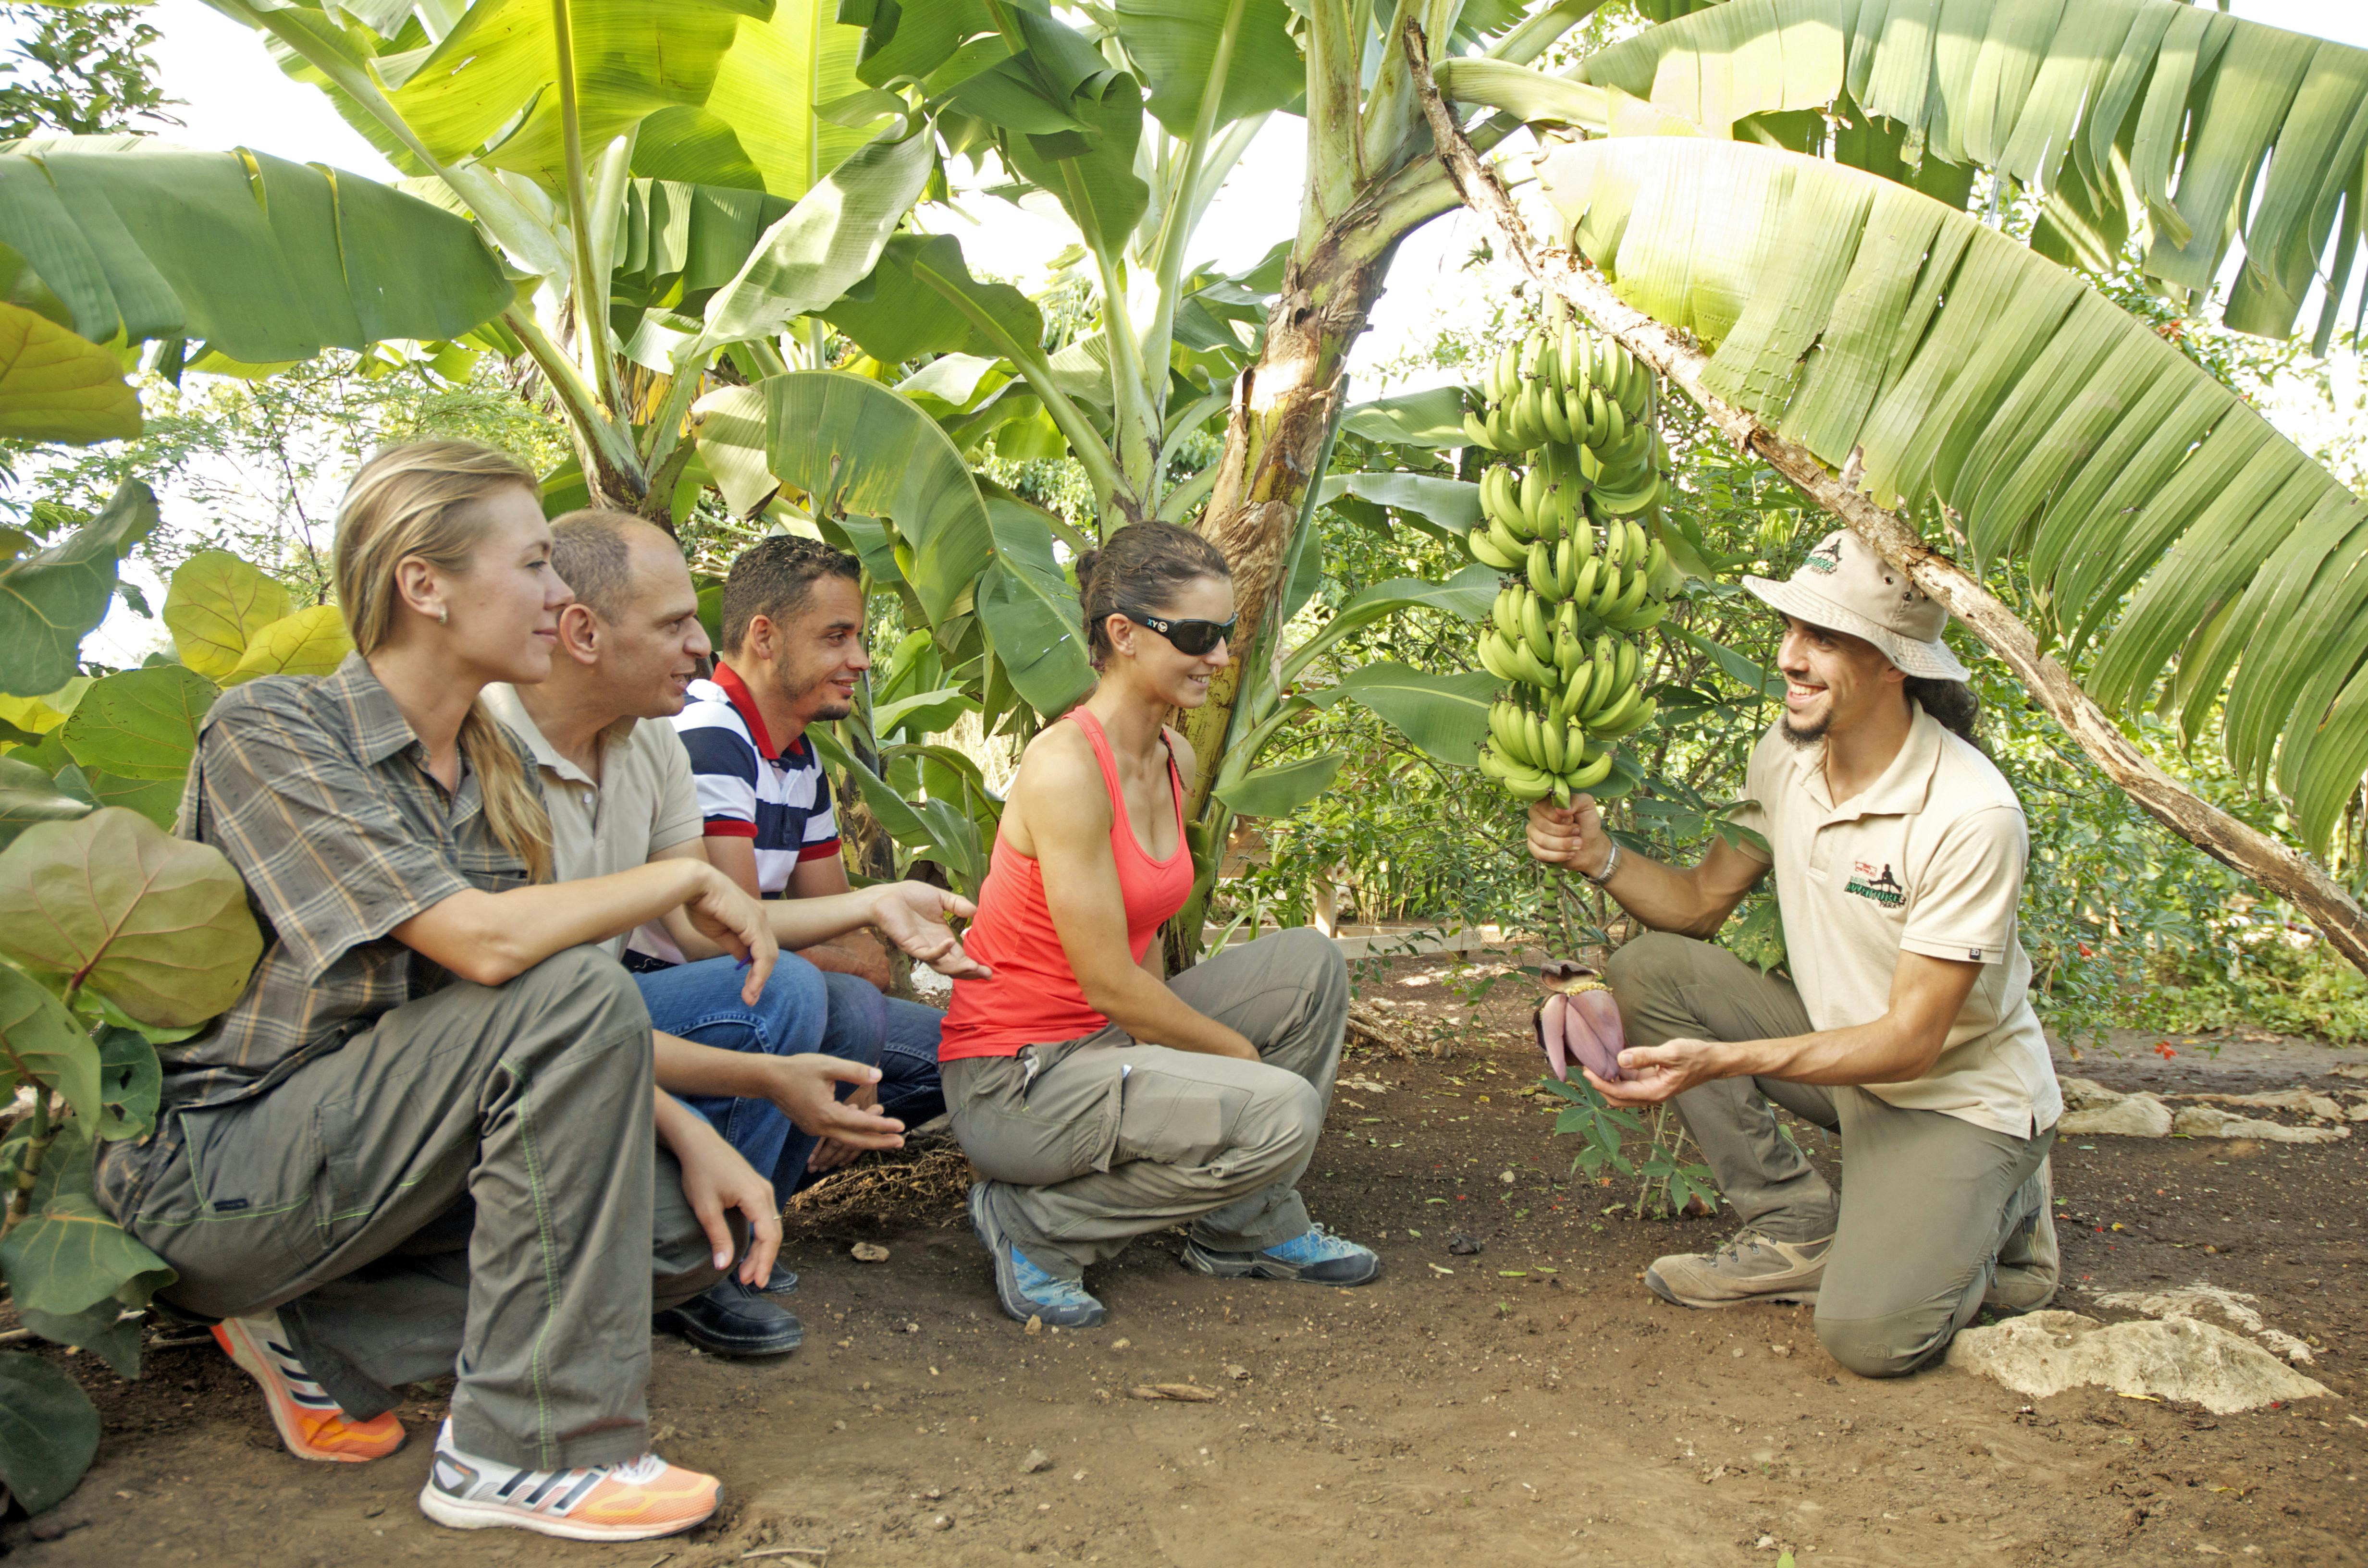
(2285,872)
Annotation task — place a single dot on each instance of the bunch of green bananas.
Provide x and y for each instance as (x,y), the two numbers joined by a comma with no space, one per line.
(1572,529)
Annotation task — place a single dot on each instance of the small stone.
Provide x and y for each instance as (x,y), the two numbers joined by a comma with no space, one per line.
(933,1494)
(939,1522)
(1120,1343)
(1737,1352)
(1506,1176)
(912,1328)
(869,1252)
(1035,1325)
(1036,1461)
(1238,1373)
(1764,1542)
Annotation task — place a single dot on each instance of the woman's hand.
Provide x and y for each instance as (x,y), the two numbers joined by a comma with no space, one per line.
(914,915)
(717,1181)
(720,912)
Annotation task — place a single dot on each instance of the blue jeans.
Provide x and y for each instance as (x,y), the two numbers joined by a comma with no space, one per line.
(908,1049)
(796,1014)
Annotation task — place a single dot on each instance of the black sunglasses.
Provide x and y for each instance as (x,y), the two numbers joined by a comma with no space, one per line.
(1191,637)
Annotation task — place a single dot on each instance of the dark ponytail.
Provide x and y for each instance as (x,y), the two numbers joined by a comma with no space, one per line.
(1952,703)
(1141,567)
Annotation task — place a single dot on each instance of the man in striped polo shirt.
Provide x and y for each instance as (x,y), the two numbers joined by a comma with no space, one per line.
(793,652)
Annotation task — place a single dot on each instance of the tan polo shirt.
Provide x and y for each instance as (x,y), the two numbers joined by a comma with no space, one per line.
(1929,858)
(642,802)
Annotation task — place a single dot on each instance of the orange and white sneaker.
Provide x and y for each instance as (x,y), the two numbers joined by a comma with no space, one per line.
(309,1422)
(633,1501)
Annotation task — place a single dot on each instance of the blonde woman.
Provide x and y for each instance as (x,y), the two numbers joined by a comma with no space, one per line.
(427,1129)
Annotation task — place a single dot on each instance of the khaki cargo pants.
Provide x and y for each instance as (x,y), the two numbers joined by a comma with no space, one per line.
(1090,1143)
(474,1179)
(1936,1215)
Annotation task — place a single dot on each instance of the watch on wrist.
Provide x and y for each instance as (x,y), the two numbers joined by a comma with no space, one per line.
(1611,865)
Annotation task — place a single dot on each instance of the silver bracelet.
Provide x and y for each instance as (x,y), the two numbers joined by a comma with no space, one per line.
(1610,866)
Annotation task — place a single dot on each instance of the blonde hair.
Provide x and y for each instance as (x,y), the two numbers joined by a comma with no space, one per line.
(403,504)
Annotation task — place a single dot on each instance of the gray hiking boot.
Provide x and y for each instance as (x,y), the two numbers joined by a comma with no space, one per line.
(2029,1267)
(1751,1268)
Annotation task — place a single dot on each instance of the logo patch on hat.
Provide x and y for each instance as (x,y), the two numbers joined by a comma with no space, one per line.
(1878,885)
(1826,558)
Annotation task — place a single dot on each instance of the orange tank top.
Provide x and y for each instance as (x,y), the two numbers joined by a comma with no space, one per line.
(1033,997)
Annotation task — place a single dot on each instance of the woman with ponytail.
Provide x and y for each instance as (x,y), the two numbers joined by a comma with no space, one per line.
(426,1138)
(1098,1098)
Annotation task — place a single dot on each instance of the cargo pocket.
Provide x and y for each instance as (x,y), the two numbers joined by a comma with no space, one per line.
(1047,1126)
(255,1195)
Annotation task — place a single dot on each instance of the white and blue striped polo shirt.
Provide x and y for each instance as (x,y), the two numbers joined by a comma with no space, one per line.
(747,790)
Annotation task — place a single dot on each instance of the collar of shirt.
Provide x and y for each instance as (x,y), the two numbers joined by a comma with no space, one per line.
(745,704)
(379,730)
(503,701)
(1900,792)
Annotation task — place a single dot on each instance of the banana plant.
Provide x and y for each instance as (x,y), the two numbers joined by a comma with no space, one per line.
(1799,217)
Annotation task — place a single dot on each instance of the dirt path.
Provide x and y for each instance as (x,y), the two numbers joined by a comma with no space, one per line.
(1455,1411)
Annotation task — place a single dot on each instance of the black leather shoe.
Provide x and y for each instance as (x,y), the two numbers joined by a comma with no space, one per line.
(783,1281)
(733,1320)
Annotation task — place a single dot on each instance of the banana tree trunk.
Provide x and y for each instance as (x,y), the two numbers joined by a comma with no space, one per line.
(2285,872)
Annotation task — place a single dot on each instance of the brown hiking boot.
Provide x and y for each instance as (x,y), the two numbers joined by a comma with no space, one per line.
(1751,1268)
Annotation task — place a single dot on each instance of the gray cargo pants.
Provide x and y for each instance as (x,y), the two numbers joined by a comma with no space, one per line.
(1090,1143)
(475,1177)
(1936,1215)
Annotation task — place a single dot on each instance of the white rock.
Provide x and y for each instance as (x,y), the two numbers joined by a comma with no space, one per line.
(2208,1121)
(2310,1102)
(2087,1094)
(2198,1363)
(2132,1116)
(2195,1301)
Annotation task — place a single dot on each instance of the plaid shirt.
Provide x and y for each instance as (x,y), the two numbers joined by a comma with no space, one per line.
(319,794)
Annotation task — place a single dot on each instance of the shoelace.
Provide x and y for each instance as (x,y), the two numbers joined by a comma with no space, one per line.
(1314,1239)
(1733,1247)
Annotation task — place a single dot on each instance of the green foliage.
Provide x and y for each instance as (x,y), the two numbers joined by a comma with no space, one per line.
(80,70)
(115,939)
(1608,1139)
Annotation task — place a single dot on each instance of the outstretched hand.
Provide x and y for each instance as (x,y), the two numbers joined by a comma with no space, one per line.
(914,916)
(716,1180)
(1652,1075)
(720,912)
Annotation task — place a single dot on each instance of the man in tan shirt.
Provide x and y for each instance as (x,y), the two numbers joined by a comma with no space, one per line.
(1900,851)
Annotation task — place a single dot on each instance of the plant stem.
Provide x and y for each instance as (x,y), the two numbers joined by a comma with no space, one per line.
(591,283)
(29,1174)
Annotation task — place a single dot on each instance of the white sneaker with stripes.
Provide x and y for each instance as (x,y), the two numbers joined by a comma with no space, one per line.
(636,1500)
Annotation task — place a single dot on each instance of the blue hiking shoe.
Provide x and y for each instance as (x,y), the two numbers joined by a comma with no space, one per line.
(1317,1256)
(1026,1290)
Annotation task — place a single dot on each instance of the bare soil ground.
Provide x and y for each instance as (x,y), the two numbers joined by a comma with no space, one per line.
(1530,1403)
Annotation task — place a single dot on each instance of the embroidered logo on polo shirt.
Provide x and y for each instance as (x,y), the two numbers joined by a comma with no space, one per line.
(1827,557)
(1879,885)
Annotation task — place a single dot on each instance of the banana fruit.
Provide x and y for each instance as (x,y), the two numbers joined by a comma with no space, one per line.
(1569,515)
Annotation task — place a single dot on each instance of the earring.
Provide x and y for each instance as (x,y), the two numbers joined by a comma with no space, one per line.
(443,615)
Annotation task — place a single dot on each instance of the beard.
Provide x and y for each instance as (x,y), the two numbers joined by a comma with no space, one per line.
(828,704)
(1808,734)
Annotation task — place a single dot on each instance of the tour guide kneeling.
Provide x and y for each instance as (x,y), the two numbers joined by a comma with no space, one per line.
(1899,853)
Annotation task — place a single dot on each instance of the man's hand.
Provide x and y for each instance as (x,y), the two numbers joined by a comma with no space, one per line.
(716,1180)
(914,915)
(806,1089)
(831,1154)
(720,912)
(1653,1073)
(1574,837)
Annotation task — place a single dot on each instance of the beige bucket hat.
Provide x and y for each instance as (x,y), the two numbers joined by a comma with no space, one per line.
(1846,586)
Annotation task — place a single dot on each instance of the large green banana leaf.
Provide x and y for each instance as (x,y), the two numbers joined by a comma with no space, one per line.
(2211,130)
(2150,507)
(677,244)
(264,260)
(722,92)
(854,446)
(1175,43)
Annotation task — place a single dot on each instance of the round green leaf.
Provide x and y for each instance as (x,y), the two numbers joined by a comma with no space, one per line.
(215,606)
(27,795)
(48,1431)
(41,1040)
(312,642)
(71,1255)
(141,724)
(50,600)
(156,925)
(56,385)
